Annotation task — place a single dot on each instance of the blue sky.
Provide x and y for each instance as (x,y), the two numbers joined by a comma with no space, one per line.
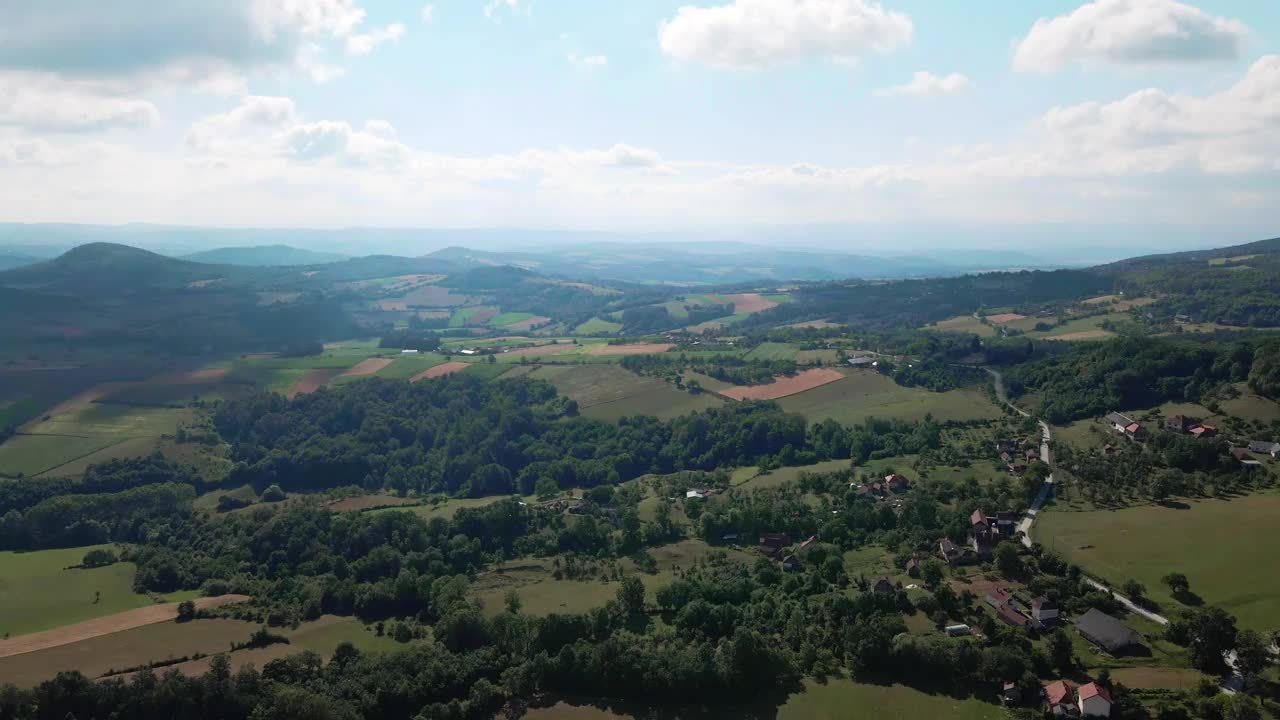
(653,114)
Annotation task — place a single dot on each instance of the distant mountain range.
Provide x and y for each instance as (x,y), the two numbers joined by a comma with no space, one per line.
(264,256)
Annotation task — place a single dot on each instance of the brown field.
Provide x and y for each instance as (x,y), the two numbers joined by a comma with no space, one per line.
(630,349)
(1083,335)
(1005,318)
(368,366)
(368,502)
(313,381)
(482,316)
(529,323)
(750,303)
(204,283)
(433,314)
(783,386)
(448,368)
(106,625)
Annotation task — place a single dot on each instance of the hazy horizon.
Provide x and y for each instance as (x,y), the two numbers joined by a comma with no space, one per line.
(1141,124)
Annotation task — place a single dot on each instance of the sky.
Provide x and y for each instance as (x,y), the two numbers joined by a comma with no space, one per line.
(1038,119)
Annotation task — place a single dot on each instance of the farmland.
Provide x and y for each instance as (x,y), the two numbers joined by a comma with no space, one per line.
(772,351)
(863,394)
(1146,542)
(607,392)
(964,324)
(781,387)
(597,326)
(43,590)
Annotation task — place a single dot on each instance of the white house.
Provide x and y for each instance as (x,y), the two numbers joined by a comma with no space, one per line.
(1095,701)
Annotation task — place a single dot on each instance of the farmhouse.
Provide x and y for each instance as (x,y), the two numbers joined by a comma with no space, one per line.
(861,361)
(883,584)
(897,483)
(1060,697)
(1245,458)
(1118,422)
(1263,447)
(1204,431)
(791,563)
(1095,701)
(771,543)
(1044,610)
(913,568)
(1180,423)
(1010,616)
(1017,467)
(1107,632)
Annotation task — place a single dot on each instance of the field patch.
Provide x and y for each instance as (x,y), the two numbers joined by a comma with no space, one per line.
(528,323)
(773,351)
(813,357)
(27,455)
(313,380)
(608,392)
(636,349)
(862,394)
(368,366)
(1144,543)
(1005,318)
(407,366)
(965,324)
(784,386)
(597,326)
(440,370)
(361,503)
(751,302)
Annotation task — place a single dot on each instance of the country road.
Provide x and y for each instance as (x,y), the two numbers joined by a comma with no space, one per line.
(1046,436)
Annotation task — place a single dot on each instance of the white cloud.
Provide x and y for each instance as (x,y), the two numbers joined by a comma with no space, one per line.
(45,102)
(755,33)
(213,46)
(428,13)
(587,62)
(1141,32)
(366,43)
(493,8)
(926,83)
(1150,157)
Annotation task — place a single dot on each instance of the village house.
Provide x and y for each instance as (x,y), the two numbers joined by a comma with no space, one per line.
(1044,610)
(1107,632)
(1031,454)
(1011,694)
(897,483)
(1011,616)
(951,553)
(791,563)
(1245,458)
(810,541)
(772,543)
(1127,426)
(1095,701)
(1017,467)
(913,568)
(1204,431)
(1263,447)
(883,584)
(1060,698)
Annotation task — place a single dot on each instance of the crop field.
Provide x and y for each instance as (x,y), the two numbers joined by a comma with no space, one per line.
(508,318)
(407,366)
(27,455)
(813,357)
(313,380)
(446,509)
(39,592)
(528,323)
(1146,542)
(1088,328)
(440,370)
(751,479)
(862,394)
(773,351)
(475,315)
(1005,318)
(368,366)
(636,349)
(129,648)
(963,324)
(748,303)
(781,387)
(487,371)
(608,392)
(597,326)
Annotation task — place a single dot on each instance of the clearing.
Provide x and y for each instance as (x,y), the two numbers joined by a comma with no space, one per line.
(127,620)
(965,324)
(862,394)
(1144,543)
(608,392)
(441,370)
(42,590)
(783,386)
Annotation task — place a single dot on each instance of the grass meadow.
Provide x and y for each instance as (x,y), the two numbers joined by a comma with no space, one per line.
(863,394)
(608,392)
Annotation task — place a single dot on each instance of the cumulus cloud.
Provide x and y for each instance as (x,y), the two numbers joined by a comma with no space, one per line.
(493,9)
(365,43)
(755,33)
(926,83)
(45,102)
(381,128)
(428,13)
(1122,32)
(142,45)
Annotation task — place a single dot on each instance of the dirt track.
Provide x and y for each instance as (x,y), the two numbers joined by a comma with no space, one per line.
(448,368)
(127,620)
(784,386)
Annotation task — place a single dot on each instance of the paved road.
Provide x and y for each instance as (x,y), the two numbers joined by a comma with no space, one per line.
(1045,437)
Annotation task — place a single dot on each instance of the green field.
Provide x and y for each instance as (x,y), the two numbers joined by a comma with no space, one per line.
(38,593)
(1079,325)
(836,699)
(27,455)
(487,371)
(406,366)
(864,393)
(754,480)
(963,324)
(596,326)
(810,357)
(463,316)
(773,351)
(508,318)
(1227,548)
(608,392)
